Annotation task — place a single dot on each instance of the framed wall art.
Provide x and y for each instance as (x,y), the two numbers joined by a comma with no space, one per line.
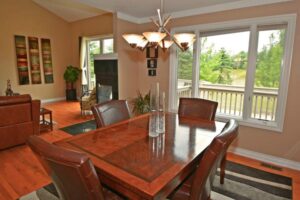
(152,52)
(34,58)
(47,60)
(152,63)
(151,72)
(22,61)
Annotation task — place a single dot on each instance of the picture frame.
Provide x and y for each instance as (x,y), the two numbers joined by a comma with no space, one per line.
(151,72)
(34,57)
(22,59)
(152,52)
(152,63)
(47,60)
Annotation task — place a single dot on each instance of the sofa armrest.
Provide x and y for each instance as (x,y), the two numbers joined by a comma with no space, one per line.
(36,106)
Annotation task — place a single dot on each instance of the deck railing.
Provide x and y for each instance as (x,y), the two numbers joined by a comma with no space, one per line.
(231,98)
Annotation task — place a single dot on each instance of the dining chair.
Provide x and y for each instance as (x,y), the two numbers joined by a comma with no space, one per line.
(198,108)
(201,109)
(72,173)
(198,185)
(110,112)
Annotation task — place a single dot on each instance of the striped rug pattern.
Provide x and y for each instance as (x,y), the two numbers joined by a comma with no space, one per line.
(241,183)
(246,183)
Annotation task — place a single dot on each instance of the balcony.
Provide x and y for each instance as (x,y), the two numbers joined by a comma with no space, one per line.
(231,98)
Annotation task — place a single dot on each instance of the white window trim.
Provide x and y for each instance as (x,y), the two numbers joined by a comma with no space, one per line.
(290,19)
(101,38)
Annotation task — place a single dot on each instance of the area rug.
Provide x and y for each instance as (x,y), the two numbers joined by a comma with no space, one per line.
(79,128)
(241,183)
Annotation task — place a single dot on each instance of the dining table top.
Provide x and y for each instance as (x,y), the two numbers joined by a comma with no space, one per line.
(142,167)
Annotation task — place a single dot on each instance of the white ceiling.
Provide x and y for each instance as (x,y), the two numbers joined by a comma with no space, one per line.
(70,10)
(140,10)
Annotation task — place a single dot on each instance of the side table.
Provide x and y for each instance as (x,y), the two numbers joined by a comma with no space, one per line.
(44,124)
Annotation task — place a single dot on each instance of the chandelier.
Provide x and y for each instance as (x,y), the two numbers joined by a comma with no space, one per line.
(158,38)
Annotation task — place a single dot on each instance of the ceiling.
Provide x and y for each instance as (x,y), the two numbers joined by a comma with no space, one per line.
(139,11)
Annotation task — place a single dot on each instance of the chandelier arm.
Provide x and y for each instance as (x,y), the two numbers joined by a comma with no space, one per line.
(172,38)
(154,21)
(159,17)
(167,20)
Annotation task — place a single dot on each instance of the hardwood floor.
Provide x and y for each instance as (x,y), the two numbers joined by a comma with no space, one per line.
(21,173)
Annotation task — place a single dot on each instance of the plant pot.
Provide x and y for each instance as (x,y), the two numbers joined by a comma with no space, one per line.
(71,95)
(69,86)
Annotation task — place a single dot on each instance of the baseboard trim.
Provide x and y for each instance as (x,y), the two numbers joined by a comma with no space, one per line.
(44,101)
(266,158)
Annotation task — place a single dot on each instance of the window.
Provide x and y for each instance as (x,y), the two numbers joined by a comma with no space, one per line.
(95,46)
(243,65)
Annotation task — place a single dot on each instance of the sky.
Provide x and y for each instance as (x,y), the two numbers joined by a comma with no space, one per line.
(236,42)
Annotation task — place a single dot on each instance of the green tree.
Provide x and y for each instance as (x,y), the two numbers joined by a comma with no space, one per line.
(224,68)
(216,67)
(240,60)
(208,62)
(94,48)
(269,62)
(185,64)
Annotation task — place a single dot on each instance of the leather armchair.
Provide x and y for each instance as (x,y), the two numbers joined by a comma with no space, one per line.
(19,118)
(87,100)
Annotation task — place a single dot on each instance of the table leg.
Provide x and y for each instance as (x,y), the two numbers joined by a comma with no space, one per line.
(51,123)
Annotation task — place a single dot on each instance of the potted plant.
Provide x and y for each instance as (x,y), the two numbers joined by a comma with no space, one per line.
(141,104)
(71,75)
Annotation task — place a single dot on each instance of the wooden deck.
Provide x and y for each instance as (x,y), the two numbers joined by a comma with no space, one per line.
(21,173)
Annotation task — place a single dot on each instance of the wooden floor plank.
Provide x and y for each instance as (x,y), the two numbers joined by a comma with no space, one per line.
(21,173)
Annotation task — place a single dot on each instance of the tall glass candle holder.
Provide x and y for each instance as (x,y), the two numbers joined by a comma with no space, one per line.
(153,118)
(161,113)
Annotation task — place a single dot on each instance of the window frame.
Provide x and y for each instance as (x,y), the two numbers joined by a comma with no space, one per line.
(95,38)
(253,25)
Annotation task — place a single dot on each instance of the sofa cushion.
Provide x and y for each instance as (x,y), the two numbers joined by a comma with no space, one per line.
(15,114)
(15,134)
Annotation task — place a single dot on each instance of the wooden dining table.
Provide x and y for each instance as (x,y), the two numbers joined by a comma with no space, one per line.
(142,167)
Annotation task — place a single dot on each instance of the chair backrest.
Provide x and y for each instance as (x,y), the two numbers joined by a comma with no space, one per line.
(199,108)
(203,177)
(15,109)
(110,112)
(73,173)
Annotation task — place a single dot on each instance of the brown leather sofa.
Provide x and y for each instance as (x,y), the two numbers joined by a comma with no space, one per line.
(19,118)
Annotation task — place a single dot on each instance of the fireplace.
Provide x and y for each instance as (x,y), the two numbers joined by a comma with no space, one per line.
(106,71)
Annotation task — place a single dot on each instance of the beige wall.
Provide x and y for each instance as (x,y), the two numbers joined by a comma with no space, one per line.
(285,144)
(23,17)
(127,60)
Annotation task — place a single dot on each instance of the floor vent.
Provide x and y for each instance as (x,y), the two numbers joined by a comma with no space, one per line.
(271,166)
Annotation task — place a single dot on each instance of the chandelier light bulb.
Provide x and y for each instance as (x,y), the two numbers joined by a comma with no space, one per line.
(154,37)
(165,44)
(184,39)
(142,44)
(133,39)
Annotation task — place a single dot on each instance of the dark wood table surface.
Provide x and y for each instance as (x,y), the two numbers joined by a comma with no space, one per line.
(141,167)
